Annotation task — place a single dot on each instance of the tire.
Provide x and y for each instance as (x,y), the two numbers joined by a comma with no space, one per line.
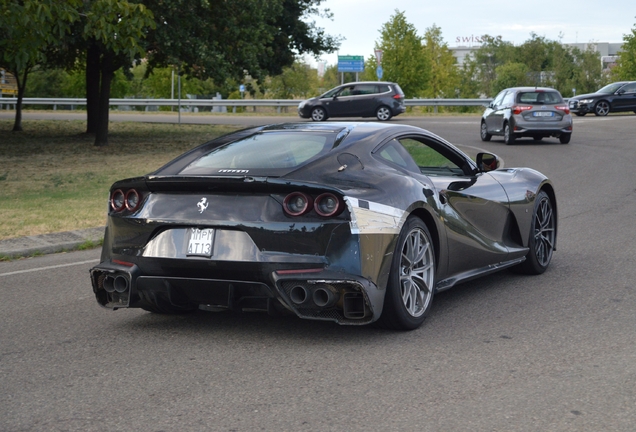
(410,289)
(509,136)
(602,108)
(383,113)
(542,237)
(565,138)
(483,132)
(318,114)
(580,114)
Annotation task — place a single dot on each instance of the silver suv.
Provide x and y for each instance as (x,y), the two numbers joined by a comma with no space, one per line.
(533,112)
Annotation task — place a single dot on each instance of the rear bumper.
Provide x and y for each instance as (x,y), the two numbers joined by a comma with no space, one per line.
(312,294)
(525,128)
(543,132)
(398,109)
(240,276)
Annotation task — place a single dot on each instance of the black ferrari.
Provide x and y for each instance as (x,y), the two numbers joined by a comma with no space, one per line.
(347,222)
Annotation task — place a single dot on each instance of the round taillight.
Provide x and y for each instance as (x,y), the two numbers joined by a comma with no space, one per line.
(117,200)
(328,205)
(297,204)
(132,200)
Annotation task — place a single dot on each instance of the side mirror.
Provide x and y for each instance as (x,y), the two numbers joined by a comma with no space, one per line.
(620,92)
(487,162)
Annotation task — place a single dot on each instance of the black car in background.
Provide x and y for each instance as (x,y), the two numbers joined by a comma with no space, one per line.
(382,100)
(615,97)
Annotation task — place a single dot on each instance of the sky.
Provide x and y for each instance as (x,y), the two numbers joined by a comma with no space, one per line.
(571,21)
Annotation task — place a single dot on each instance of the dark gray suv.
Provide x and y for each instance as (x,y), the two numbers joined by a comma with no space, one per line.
(533,112)
(382,100)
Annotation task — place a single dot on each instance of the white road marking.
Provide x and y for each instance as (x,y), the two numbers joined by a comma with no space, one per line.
(48,268)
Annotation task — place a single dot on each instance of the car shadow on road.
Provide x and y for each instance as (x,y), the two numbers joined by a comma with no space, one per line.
(448,307)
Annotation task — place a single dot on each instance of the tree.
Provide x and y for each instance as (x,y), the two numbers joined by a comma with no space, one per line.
(229,39)
(403,59)
(493,53)
(370,69)
(29,28)
(535,53)
(562,69)
(112,35)
(330,79)
(625,68)
(444,78)
(587,76)
(511,75)
(298,80)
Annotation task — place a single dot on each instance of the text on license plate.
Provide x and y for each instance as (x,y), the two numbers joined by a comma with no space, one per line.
(543,114)
(200,242)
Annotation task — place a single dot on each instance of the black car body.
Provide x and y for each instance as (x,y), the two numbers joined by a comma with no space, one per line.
(532,112)
(346,222)
(382,100)
(615,97)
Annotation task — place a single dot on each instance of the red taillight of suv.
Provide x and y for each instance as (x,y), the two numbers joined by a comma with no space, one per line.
(563,108)
(518,109)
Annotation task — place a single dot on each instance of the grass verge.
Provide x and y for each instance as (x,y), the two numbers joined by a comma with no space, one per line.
(53,179)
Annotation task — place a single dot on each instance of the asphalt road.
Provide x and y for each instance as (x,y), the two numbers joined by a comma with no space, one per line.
(555,352)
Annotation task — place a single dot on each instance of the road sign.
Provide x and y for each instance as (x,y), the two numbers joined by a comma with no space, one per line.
(378,56)
(350,63)
(379,72)
(8,83)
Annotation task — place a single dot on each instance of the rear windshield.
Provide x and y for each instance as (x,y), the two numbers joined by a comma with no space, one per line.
(539,97)
(269,153)
(398,90)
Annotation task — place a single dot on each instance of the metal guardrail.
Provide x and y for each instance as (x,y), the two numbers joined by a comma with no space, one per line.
(277,103)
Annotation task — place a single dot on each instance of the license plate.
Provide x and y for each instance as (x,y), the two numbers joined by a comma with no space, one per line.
(200,242)
(543,113)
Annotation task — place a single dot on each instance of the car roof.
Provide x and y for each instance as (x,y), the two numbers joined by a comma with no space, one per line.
(366,82)
(529,88)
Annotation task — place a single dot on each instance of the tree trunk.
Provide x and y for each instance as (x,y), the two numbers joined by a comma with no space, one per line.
(92,88)
(17,124)
(107,73)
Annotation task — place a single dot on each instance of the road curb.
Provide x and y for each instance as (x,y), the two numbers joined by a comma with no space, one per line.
(50,243)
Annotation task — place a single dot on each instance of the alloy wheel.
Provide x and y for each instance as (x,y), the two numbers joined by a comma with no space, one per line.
(544,231)
(416,272)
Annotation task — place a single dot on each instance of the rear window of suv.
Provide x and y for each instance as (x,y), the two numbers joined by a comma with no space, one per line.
(539,98)
(398,90)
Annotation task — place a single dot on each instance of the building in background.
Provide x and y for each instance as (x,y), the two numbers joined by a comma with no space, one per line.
(607,52)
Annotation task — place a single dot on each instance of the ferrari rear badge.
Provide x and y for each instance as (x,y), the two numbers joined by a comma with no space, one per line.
(203,204)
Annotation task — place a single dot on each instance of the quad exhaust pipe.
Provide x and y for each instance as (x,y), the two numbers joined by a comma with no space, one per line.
(118,283)
(113,284)
(324,298)
(298,294)
(321,296)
